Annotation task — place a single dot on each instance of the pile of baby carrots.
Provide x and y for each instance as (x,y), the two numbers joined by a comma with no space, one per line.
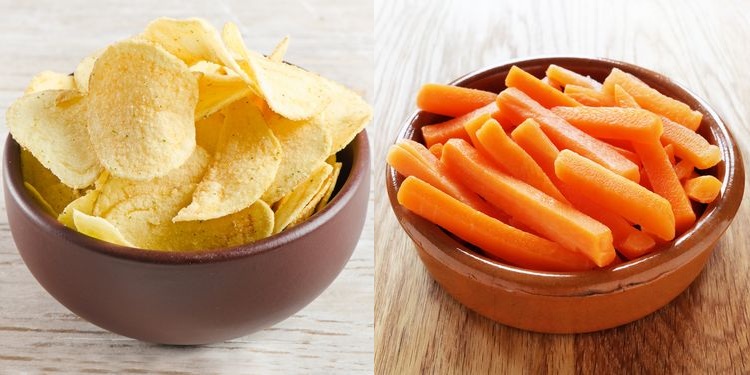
(562,173)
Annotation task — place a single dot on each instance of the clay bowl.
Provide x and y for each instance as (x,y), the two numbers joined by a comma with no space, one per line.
(191,297)
(584,301)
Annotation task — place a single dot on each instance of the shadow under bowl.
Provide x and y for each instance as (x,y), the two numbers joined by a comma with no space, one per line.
(575,302)
(199,297)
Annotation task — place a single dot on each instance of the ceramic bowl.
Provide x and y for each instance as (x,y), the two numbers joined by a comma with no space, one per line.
(584,301)
(190,298)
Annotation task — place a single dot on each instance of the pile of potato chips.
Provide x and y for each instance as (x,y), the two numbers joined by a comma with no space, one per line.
(181,138)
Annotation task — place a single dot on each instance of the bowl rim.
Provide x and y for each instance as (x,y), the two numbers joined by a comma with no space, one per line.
(13,181)
(601,281)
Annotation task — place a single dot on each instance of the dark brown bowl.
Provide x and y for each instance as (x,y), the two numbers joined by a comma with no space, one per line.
(583,301)
(188,298)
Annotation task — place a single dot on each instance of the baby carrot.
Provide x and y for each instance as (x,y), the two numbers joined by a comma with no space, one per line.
(630,124)
(547,216)
(623,99)
(514,159)
(565,135)
(568,77)
(437,150)
(703,189)
(683,169)
(532,139)
(556,85)
(453,128)
(538,90)
(689,145)
(652,100)
(410,158)
(493,236)
(665,182)
(589,97)
(616,193)
(453,101)
(669,149)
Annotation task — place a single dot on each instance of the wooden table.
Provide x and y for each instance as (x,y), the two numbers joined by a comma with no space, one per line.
(334,334)
(421,329)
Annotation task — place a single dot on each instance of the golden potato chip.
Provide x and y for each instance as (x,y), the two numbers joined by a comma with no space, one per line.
(48,80)
(292,92)
(98,228)
(232,38)
(39,199)
(312,206)
(55,193)
(207,131)
(84,204)
(295,202)
(304,144)
(216,91)
(280,50)
(192,40)
(244,166)
(83,71)
(329,187)
(55,135)
(345,116)
(141,110)
(207,67)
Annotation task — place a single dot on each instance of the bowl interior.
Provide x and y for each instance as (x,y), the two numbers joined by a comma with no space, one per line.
(713,217)
(355,166)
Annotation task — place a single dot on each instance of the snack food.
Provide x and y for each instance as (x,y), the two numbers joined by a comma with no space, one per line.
(603,171)
(180,138)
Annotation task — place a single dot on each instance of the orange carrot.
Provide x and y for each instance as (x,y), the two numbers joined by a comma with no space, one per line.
(616,193)
(623,99)
(514,159)
(546,95)
(630,155)
(532,139)
(568,77)
(589,97)
(471,129)
(453,128)
(665,182)
(629,124)
(652,100)
(547,216)
(683,169)
(703,189)
(410,158)
(453,101)
(437,150)
(689,145)
(514,103)
(493,236)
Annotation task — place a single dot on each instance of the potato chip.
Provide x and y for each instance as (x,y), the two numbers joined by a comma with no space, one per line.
(98,228)
(232,38)
(84,204)
(39,199)
(345,116)
(303,145)
(329,187)
(289,91)
(216,91)
(207,131)
(244,166)
(83,71)
(207,67)
(141,110)
(192,40)
(55,135)
(48,80)
(55,193)
(279,51)
(312,206)
(292,205)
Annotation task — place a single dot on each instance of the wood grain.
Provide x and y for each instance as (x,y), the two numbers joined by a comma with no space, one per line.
(334,334)
(421,329)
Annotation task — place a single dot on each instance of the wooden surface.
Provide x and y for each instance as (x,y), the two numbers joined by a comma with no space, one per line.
(421,329)
(332,335)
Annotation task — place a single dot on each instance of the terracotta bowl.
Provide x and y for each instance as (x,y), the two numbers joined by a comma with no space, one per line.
(584,301)
(191,297)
